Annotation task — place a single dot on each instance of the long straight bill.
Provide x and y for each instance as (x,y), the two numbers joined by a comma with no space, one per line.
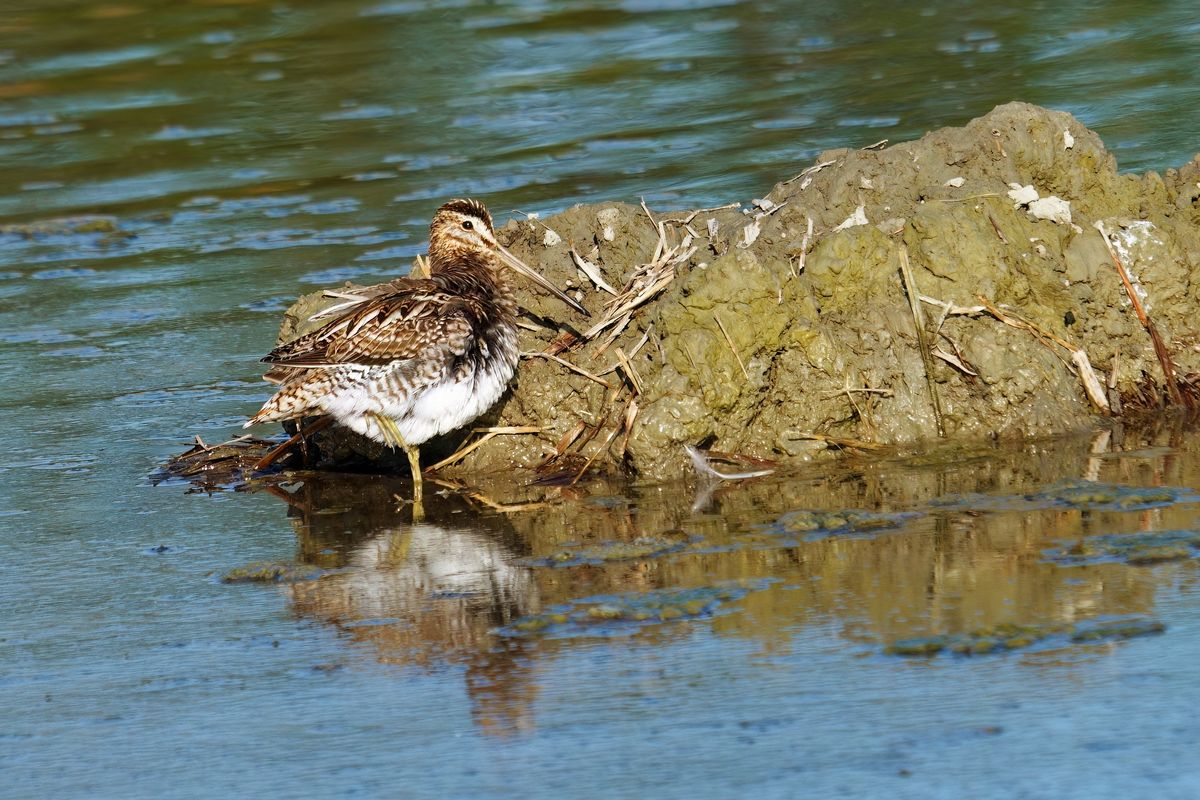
(523,268)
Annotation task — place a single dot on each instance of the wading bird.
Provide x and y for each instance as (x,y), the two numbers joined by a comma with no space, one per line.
(422,357)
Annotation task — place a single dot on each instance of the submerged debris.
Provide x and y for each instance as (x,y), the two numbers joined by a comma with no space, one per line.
(1008,636)
(271,572)
(622,614)
(1138,549)
(643,547)
(1074,494)
(813,525)
(215,467)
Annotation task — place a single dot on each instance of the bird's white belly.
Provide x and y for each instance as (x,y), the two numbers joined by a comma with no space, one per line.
(447,406)
(423,411)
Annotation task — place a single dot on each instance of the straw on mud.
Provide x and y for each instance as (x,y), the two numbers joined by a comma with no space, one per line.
(587,464)
(569,438)
(634,379)
(864,390)
(1091,384)
(968,197)
(733,349)
(646,281)
(631,412)
(641,343)
(570,366)
(804,246)
(996,228)
(914,304)
(955,361)
(592,271)
(813,170)
(1160,349)
(1014,321)
(488,434)
(843,442)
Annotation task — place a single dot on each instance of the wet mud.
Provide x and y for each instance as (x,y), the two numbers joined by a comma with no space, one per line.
(955,287)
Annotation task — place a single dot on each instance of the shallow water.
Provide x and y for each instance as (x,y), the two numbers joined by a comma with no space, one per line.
(241,152)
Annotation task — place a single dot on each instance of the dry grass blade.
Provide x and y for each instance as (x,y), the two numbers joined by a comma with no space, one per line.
(631,412)
(592,271)
(955,362)
(1091,384)
(626,367)
(841,442)
(573,367)
(587,464)
(1160,349)
(1014,321)
(488,435)
(813,170)
(641,343)
(914,303)
(729,341)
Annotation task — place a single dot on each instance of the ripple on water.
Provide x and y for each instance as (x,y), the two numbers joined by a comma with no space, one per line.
(334,275)
(340,205)
(62,272)
(288,237)
(150,398)
(367,112)
(173,133)
(37,335)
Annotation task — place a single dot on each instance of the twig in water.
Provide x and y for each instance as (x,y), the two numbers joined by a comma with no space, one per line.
(700,462)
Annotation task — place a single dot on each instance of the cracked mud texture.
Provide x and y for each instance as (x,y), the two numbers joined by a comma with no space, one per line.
(804,336)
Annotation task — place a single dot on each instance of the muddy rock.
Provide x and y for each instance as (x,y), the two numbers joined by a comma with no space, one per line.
(778,327)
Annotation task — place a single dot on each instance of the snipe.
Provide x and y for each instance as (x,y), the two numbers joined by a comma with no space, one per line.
(421,358)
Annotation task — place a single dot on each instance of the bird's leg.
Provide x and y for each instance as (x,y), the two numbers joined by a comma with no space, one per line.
(299,436)
(414,465)
(393,438)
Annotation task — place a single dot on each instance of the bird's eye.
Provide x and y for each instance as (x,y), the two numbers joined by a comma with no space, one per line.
(467,225)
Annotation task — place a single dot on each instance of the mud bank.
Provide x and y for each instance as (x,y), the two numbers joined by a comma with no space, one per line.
(953,287)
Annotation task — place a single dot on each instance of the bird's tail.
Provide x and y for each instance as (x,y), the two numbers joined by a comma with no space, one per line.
(289,402)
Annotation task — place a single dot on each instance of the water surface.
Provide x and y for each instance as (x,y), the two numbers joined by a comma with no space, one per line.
(216,158)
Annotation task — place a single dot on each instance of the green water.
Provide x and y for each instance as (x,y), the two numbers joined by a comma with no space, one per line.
(242,152)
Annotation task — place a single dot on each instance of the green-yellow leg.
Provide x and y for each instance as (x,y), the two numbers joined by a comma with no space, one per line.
(393,438)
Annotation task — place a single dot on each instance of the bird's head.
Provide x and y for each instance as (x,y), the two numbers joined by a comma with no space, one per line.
(462,229)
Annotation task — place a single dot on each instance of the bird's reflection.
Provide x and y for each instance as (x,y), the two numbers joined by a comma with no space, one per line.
(425,593)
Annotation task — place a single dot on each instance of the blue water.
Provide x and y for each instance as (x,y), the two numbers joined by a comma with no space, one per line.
(241,153)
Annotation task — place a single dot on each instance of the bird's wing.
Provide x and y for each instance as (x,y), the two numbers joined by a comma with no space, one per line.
(417,318)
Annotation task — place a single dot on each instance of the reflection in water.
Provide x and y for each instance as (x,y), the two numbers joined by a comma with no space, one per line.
(950,543)
(420,593)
